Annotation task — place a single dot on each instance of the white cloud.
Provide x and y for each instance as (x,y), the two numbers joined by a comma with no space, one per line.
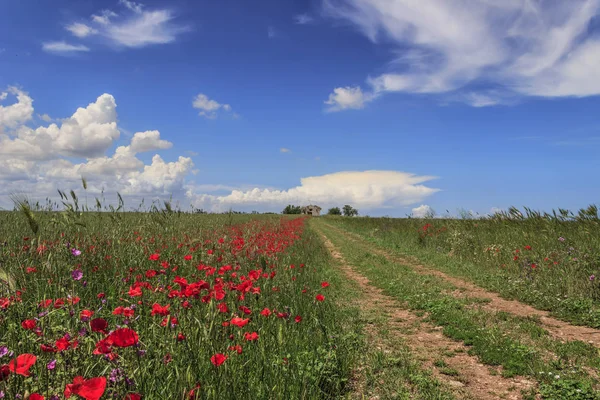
(284,150)
(81,30)
(63,47)
(542,48)
(148,141)
(303,19)
(37,161)
(344,98)
(143,29)
(133,6)
(134,28)
(104,17)
(362,189)
(87,133)
(422,211)
(17,113)
(208,108)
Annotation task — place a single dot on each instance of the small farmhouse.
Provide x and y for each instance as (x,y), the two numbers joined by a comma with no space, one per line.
(312,209)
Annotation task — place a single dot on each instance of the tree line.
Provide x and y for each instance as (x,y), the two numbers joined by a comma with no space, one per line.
(347,210)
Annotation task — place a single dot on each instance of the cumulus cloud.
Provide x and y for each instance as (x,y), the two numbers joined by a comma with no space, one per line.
(64,47)
(17,113)
(88,132)
(134,27)
(543,48)
(39,160)
(284,150)
(422,211)
(209,108)
(362,189)
(147,141)
(344,98)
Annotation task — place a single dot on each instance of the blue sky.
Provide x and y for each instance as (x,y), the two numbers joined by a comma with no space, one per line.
(386,105)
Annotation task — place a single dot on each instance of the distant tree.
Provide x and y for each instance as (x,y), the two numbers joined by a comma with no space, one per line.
(290,209)
(350,211)
(334,211)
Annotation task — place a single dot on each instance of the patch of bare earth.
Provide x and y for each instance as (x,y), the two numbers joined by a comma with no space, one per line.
(556,328)
(472,380)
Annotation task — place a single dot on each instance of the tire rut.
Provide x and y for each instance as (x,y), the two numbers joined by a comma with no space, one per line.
(558,329)
(475,380)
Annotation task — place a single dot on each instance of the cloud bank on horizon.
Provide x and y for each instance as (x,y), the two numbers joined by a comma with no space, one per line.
(479,52)
(55,156)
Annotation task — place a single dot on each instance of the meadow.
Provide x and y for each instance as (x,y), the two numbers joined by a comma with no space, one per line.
(167,305)
(162,304)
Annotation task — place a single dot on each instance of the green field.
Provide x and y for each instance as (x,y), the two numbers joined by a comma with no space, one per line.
(166,304)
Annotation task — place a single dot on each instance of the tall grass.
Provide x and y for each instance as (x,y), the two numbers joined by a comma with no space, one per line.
(61,270)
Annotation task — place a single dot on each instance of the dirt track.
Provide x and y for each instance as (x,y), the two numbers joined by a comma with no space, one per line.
(474,380)
(558,329)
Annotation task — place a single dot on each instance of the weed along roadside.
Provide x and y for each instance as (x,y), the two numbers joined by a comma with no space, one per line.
(520,346)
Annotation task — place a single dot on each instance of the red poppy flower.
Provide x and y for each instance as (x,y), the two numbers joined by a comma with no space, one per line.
(237,348)
(160,310)
(251,337)
(29,324)
(4,372)
(218,359)
(84,315)
(187,257)
(133,396)
(103,347)
(36,396)
(135,291)
(128,312)
(124,337)
(21,364)
(47,349)
(99,325)
(266,312)
(239,322)
(154,257)
(245,310)
(180,337)
(222,307)
(62,344)
(298,319)
(320,297)
(324,284)
(90,389)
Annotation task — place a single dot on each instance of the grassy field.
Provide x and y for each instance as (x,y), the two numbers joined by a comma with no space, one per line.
(546,262)
(169,305)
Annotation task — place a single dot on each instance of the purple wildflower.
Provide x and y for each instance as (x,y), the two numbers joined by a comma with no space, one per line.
(75,252)
(77,274)
(3,351)
(51,365)
(562,239)
(592,278)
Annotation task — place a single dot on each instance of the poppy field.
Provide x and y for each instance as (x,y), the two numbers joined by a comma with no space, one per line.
(167,305)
